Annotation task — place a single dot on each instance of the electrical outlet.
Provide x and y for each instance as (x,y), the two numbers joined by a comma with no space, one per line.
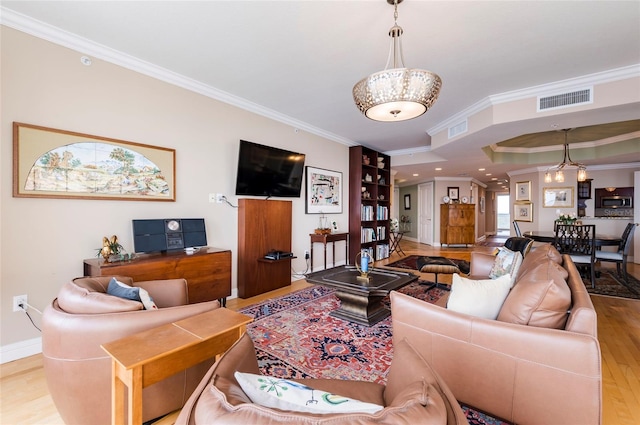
(306,254)
(20,303)
(219,198)
(212,197)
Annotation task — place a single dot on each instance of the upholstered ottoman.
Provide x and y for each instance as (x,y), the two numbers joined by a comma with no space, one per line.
(437,265)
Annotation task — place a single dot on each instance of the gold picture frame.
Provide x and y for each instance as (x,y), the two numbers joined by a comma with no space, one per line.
(52,163)
(523,212)
(557,197)
(523,191)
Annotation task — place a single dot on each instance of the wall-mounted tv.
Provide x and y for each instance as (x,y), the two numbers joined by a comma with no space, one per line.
(268,171)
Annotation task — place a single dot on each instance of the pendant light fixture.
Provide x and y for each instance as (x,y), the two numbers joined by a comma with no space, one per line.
(397,93)
(566,162)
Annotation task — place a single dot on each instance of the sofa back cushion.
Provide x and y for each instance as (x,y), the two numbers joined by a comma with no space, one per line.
(540,297)
(87,295)
(537,255)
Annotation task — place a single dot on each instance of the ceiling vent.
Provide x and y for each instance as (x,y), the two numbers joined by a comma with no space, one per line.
(564,100)
(457,129)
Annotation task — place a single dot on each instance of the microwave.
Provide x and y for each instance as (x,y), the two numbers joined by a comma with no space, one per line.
(616,202)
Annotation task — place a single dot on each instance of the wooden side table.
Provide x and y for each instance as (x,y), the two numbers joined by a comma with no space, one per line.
(139,360)
(333,238)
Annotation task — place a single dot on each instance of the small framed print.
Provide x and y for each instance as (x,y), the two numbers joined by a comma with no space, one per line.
(453,193)
(523,191)
(407,202)
(523,212)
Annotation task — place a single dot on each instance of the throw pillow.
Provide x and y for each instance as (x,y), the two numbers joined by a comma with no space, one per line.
(541,298)
(289,395)
(479,298)
(506,262)
(122,290)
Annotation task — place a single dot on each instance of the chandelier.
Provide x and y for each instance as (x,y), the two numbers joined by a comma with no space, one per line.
(566,162)
(397,93)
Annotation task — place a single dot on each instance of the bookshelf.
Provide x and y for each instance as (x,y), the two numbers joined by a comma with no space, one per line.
(369,202)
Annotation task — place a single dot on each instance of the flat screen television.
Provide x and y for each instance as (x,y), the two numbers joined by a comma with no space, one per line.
(268,171)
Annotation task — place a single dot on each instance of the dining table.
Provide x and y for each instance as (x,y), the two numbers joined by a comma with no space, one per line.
(550,236)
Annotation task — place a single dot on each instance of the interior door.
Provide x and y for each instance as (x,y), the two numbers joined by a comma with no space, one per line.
(425,213)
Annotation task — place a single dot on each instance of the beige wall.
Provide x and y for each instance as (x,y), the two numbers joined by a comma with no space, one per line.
(43,241)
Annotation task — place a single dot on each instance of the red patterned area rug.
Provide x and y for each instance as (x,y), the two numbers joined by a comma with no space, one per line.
(295,337)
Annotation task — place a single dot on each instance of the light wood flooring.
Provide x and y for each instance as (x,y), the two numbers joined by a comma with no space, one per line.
(25,399)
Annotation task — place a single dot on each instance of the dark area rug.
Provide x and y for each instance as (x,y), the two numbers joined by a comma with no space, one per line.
(295,337)
(608,283)
(410,262)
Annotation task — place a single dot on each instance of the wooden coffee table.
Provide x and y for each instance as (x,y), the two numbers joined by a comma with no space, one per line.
(139,360)
(361,302)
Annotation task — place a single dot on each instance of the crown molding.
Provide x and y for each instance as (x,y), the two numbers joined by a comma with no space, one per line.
(72,41)
(571,84)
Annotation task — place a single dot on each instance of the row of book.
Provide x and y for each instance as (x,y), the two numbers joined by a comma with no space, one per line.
(381,252)
(369,234)
(367,212)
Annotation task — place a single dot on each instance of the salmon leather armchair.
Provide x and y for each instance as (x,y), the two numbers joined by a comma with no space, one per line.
(82,318)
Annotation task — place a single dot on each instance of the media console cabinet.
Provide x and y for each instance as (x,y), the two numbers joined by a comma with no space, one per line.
(207,271)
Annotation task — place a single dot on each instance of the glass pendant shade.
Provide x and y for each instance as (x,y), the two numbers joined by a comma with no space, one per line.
(397,93)
(566,162)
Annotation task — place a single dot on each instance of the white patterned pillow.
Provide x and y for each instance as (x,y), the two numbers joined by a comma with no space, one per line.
(289,395)
(479,298)
(506,262)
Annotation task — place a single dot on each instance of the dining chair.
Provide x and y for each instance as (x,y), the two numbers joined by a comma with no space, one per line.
(517,229)
(620,256)
(579,242)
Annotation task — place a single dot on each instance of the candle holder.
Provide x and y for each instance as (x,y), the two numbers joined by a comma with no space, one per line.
(362,260)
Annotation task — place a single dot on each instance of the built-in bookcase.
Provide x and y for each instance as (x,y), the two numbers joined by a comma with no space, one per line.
(369,202)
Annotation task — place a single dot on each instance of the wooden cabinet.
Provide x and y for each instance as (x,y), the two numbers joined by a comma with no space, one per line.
(457,224)
(369,202)
(263,226)
(208,271)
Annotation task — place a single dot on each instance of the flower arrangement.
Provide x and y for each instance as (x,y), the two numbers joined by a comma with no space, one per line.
(567,218)
(394,226)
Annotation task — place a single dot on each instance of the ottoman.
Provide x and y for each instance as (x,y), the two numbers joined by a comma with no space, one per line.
(438,265)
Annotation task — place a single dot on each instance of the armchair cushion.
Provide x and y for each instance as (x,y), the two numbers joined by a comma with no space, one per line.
(479,298)
(540,298)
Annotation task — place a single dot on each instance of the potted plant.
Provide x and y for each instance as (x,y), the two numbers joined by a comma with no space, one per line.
(111,249)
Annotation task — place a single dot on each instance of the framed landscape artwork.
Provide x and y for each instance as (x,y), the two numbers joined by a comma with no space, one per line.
(50,163)
(557,197)
(324,191)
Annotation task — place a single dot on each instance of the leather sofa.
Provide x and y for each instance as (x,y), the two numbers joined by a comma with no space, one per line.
(531,370)
(78,370)
(414,394)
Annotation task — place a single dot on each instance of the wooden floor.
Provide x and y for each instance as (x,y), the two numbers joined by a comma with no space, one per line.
(25,399)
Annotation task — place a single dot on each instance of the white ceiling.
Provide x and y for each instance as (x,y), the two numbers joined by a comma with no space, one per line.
(297,61)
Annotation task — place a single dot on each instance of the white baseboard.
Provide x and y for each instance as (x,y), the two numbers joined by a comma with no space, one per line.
(20,350)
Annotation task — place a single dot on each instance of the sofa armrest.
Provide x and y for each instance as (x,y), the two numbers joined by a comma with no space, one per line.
(480,265)
(519,373)
(167,292)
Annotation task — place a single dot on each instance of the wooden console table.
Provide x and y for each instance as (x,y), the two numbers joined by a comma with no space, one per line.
(208,271)
(139,360)
(333,238)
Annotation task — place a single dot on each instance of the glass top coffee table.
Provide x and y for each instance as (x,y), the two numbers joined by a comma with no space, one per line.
(361,302)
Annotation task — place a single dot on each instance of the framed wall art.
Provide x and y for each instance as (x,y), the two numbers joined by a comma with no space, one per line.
(523,191)
(324,191)
(51,163)
(557,197)
(407,202)
(453,193)
(523,212)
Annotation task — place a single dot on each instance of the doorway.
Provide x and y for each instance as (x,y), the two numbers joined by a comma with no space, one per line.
(503,225)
